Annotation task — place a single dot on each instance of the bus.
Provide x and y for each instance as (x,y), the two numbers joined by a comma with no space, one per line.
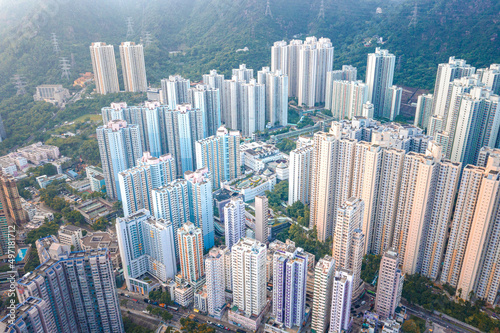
(371,292)
(173,308)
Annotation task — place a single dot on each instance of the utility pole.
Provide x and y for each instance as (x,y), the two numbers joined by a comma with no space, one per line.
(413,20)
(147,39)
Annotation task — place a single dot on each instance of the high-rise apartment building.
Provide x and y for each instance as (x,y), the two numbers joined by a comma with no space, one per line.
(279,57)
(252,115)
(490,77)
(293,65)
(146,246)
(183,126)
(133,67)
(234,221)
(276,85)
(447,73)
(248,261)
(231,102)
(215,281)
(80,291)
(340,318)
(346,99)
(393,102)
(299,180)
(357,248)
(208,101)
(324,273)
(137,183)
(11,200)
(379,76)
(175,91)
(289,286)
(190,240)
(243,73)
(214,80)
(104,67)
(390,284)
(221,155)
(349,218)
(424,111)
(34,314)
(171,203)
(201,211)
(479,274)
(119,147)
(261,219)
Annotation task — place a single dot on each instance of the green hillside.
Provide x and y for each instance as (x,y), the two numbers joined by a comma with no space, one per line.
(208,33)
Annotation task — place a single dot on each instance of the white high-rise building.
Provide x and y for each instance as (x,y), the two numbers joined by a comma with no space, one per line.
(214,80)
(358,246)
(119,147)
(215,281)
(447,73)
(208,101)
(479,274)
(379,76)
(390,284)
(477,125)
(175,91)
(104,67)
(491,77)
(289,286)
(171,203)
(228,271)
(300,168)
(468,196)
(201,210)
(322,295)
(231,104)
(340,319)
(276,85)
(248,259)
(234,221)
(444,190)
(293,65)
(136,183)
(324,65)
(393,102)
(253,108)
(308,58)
(346,99)
(243,73)
(424,111)
(133,67)
(183,126)
(261,219)
(146,246)
(221,155)
(190,242)
(349,218)
(279,57)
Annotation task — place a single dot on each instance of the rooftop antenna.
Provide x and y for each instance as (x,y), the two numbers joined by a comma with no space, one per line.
(321,14)
(130,27)
(65,67)
(55,44)
(20,84)
(268,10)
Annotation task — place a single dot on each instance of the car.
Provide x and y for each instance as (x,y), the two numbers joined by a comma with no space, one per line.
(122,294)
(146,300)
(209,322)
(357,306)
(144,311)
(155,303)
(126,295)
(133,299)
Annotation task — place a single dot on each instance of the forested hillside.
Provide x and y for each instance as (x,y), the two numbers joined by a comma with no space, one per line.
(208,33)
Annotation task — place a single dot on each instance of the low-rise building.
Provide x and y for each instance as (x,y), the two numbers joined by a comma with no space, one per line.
(39,153)
(201,300)
(183,294)
(95,208)
(44,180)
(255,155)
(252,184)
(83,80)
(52,93)
(71,236)
(240,318)
(391,326)
(95,175)
(80,185)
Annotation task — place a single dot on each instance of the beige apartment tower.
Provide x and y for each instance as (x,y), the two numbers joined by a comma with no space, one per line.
(261,219)
(390,284)
(104,67)
(133,67)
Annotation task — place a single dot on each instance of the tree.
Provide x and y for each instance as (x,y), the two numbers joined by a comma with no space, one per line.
(410,326)
(100,224)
